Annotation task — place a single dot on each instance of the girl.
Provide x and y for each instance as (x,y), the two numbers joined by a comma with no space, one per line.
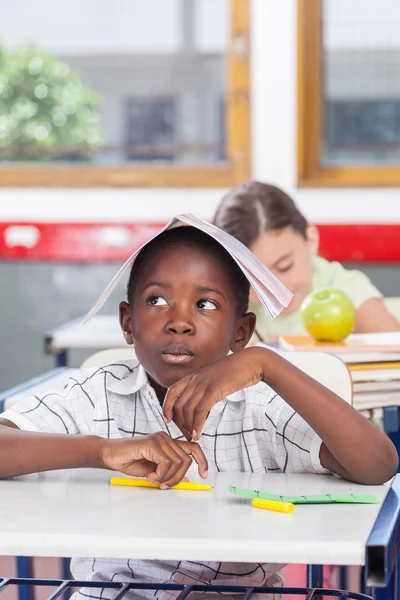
(267,221)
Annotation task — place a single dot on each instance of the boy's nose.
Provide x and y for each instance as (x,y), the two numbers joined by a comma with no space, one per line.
(180,327)
(180,320)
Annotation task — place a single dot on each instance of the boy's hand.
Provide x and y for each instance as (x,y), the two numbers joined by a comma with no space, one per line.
(189,401)
(157,457)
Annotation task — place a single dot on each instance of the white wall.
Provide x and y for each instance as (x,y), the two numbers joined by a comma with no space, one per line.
(274,153)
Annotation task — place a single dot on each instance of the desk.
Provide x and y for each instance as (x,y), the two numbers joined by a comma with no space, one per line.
(52,380)
(101,332)
(58,523)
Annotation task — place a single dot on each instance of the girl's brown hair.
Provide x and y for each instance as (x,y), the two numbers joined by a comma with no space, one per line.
(251,208)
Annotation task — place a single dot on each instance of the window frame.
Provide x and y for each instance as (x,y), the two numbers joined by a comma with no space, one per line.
(310,102)
(234,170)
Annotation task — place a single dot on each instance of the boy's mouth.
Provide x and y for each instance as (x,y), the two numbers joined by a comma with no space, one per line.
(177,354)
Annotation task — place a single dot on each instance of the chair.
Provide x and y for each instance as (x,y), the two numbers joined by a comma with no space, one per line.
(325,368)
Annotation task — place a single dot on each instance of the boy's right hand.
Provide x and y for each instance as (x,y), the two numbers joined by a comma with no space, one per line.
(157,457)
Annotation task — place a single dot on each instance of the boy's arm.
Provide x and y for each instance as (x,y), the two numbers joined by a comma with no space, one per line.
(352,446)
(23,452)
(157,457)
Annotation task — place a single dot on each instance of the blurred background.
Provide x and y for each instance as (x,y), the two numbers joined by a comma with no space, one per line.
(115,116)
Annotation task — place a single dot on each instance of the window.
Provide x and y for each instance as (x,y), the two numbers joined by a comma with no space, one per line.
(349,92)
(151,128)
(131,93)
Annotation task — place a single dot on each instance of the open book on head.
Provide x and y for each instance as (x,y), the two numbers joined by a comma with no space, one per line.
(273,295)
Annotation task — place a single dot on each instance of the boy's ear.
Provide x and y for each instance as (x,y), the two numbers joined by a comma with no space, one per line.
(244,330)
(125,322)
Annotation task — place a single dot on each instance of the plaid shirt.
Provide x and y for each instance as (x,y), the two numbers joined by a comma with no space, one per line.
(251,430)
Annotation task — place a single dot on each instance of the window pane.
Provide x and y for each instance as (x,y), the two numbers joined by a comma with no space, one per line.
(113,81)
(361,53)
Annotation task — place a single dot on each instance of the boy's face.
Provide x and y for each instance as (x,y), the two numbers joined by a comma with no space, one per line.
(184,315)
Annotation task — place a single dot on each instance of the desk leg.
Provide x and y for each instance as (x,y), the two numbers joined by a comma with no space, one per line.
(61,359)
(391,591)
(392,428)
(391,421)
(24,570)
(66,574)
(314,576)
(343,578)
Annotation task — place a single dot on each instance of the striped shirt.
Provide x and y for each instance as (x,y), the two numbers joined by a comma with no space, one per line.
(252,430)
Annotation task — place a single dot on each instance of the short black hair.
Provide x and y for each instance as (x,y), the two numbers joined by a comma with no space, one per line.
(191,236)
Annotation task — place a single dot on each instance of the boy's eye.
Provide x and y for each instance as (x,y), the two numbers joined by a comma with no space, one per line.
(155,300)
(207,304)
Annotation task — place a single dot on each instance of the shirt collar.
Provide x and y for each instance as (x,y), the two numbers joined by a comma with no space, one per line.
(132,381)
(136,379)
(237,396)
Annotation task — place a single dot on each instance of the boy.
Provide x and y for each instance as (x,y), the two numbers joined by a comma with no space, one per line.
(187,318)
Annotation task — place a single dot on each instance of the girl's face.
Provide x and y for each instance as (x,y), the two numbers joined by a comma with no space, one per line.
(288,255)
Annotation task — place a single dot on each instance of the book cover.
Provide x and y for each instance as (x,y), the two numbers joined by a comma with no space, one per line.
(273,295)
(381,343)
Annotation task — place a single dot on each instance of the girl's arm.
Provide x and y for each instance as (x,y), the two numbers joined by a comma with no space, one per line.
(373,316)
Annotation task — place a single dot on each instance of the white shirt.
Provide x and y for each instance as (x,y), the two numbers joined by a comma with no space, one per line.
(252,430)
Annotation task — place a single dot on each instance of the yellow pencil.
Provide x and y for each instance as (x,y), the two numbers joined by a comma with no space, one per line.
(285,507)
(184,485)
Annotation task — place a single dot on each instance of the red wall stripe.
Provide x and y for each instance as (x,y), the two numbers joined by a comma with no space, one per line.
(94,242)
(361,243)
(73,242)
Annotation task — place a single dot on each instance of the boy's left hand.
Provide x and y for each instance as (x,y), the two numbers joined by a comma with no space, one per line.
(189,401)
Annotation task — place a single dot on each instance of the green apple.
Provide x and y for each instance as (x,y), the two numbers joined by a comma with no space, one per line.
(328,315)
